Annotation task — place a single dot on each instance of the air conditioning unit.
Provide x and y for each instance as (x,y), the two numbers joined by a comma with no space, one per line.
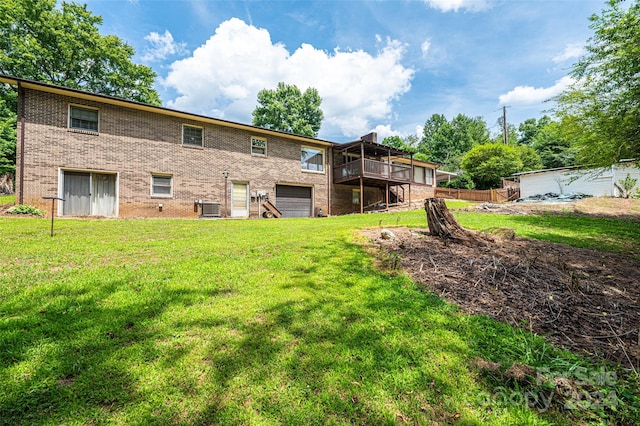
(210,209)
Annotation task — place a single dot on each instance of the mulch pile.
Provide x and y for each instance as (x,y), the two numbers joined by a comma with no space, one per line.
(584,300)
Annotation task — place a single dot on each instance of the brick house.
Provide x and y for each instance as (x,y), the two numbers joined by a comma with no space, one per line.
(112,157)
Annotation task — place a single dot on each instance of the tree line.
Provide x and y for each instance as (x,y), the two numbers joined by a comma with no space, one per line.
(466,146)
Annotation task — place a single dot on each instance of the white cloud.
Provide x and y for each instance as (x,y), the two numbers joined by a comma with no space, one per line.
(223,77)
(571,51)
(425,47)
(527,95)
(384,131)
(455,5)
(162,46)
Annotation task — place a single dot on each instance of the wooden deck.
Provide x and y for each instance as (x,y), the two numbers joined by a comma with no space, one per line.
(372,171)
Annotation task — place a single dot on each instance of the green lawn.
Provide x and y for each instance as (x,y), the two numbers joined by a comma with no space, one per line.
(256,322)
(7,200)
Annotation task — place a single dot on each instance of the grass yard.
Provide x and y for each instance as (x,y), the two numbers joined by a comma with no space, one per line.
(7,200)
(193,322)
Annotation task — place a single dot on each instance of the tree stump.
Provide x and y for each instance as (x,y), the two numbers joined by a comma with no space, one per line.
(442,224)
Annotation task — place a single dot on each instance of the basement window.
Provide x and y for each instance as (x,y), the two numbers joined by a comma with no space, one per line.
(161,185)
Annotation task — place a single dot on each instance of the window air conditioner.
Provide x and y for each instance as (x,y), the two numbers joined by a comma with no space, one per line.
(210,209)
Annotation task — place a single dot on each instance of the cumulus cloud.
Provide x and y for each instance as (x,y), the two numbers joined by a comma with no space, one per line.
(162,47)
(223,77)
(571,51)
(455,5)
(527,95)
(385,130)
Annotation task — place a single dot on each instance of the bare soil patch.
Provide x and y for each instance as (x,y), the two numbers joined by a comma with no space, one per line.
(584,300)
(619,208)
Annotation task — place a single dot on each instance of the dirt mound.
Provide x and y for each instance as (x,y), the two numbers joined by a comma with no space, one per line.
(583,300)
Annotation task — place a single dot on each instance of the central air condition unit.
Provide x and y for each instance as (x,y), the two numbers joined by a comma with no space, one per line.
(210,209)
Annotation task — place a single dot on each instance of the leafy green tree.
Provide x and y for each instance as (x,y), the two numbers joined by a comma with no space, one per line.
(530,127)
(7,139)
(554,146)
(529,157)
(487,164)
(603,105)
(408,143)
(63,46)
(446,142)
(512,133)
(287,109)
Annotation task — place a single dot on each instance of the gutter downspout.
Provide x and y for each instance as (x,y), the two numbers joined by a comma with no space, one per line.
(22,108)
(329,179)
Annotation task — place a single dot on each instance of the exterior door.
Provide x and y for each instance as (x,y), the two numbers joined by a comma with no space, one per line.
(239,199)
(294,201)
(77,194)
(103,194)
(88,194)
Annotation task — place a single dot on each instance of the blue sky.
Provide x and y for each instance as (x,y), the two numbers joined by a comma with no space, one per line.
(383,66)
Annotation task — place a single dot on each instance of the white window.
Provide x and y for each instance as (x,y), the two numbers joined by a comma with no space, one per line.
(81,118)
(258,146)
(191,135)
(312,159)
(161,185)
(428,176)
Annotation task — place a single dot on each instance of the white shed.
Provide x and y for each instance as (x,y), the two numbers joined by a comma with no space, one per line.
(589,181)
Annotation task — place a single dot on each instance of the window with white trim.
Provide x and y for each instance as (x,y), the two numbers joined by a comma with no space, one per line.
(258,146)
(161,185)
(312,159)
(81,118)
(192,135)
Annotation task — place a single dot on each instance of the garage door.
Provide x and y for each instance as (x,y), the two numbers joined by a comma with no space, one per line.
(293,201)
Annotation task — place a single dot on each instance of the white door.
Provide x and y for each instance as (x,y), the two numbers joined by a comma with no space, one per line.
(239,199)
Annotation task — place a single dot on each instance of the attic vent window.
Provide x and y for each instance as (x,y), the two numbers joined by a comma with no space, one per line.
(83,118)
(192,136)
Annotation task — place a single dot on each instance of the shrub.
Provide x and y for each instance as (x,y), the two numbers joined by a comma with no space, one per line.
(24,209)
(461,182)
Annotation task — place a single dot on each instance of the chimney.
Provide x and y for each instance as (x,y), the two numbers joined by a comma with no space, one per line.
(370,137)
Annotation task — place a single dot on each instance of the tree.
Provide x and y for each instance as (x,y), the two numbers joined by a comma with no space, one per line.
(407,144)
(446,142)
(62,46)
(487,164)
(603,105)
(7,139)
(512,133)
(553,145)
(530,127)
(287,109)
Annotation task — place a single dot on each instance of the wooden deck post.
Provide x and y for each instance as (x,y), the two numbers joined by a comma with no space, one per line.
(387,197)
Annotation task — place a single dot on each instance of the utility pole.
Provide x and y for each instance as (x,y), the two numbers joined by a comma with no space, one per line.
(505,133)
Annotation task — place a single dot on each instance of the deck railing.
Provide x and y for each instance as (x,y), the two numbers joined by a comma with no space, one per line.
(372,169)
